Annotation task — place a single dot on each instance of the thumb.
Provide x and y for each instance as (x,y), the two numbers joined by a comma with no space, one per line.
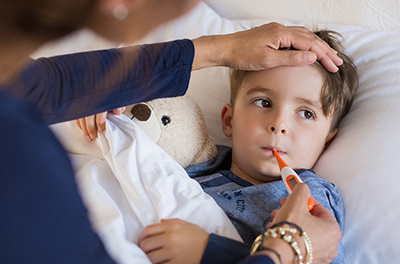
(299,196)
(295,58)
(295,207)
(320,211)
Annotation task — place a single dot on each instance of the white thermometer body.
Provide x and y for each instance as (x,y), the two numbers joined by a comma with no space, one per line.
(290,178)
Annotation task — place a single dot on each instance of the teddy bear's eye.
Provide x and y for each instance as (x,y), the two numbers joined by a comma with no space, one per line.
(165,120)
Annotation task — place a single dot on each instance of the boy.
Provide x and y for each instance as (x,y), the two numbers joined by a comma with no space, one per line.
(293,110)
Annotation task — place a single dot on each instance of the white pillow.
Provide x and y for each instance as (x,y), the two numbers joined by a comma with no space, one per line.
(367,13)
(362,160)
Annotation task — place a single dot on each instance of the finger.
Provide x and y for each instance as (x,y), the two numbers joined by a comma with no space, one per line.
(282,201)
(101,121)
(151,230)
(159,256)
(173,220)
(300,193)
(326,55)
(320,211)
(82,124)
(308,41)
(295,206)
(152,243)
(119,111)
(78,124)
(291,58)
(91,126)
(274,213)
(329,63)
(156,249)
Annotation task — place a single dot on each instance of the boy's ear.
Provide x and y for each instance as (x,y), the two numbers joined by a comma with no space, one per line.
(330,138)
(226,118)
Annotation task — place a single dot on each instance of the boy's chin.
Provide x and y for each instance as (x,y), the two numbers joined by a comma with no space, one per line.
(271,178)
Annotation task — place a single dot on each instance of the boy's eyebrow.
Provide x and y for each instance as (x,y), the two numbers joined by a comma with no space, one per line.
(258,89)
(315,103)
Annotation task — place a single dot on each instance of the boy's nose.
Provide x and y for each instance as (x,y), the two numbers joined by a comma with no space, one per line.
(278,124)
(276,129)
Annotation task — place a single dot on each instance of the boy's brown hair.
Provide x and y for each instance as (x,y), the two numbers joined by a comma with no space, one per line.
(338,89)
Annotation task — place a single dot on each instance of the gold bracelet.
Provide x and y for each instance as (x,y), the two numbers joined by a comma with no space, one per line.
(309,248)
(256,244)
(287,235)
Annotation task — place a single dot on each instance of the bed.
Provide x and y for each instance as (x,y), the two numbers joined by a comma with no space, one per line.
(363,160)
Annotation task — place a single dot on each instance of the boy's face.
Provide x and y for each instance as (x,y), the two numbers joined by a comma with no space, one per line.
(277,109)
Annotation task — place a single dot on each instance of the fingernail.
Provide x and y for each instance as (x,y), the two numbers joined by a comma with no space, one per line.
(309,57)
(92,136)
(88,138)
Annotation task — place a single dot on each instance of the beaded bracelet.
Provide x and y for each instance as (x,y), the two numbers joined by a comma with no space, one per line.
(276,231)
(286,234)
(309,248)
(288,223)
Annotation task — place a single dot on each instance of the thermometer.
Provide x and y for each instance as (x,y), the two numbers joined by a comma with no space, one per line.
(290,178)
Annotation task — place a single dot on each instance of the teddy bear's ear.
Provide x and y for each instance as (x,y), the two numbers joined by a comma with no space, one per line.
(178,126)
(143,115)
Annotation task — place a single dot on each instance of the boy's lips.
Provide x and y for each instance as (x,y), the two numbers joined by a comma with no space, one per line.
(271,149)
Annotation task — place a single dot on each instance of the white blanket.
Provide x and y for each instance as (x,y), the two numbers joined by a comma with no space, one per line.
(127,182)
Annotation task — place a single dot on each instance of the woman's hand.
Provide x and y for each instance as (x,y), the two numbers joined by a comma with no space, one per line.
(320,225)
(257,49)
(91,124)
(174,241)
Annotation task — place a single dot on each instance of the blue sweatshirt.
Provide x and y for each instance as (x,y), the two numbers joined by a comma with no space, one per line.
(249,206)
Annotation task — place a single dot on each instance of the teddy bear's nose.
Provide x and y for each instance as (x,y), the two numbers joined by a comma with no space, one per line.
(141,112)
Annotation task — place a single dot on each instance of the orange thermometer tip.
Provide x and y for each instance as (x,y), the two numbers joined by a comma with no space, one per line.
(280,160)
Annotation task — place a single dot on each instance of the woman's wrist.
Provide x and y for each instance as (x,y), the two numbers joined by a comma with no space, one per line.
(209,51)
(278,250)
(284,243)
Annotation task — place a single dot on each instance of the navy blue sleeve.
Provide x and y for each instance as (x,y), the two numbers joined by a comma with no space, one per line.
(222,250)
(76,85)
(42,217)
(259,259)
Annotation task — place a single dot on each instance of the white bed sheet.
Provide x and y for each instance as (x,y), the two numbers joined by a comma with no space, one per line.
(128,182)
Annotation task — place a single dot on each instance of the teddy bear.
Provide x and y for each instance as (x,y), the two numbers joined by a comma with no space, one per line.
(178,126)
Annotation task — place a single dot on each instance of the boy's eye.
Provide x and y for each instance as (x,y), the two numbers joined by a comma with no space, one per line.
(263,103)
(307,114)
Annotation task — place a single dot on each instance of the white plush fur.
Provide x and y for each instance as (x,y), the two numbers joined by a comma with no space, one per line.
(185,137)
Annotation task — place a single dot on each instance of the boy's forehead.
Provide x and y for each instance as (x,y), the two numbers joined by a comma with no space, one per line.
(303,80)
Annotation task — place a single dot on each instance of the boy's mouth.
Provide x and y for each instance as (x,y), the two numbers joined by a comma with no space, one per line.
(271,149)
